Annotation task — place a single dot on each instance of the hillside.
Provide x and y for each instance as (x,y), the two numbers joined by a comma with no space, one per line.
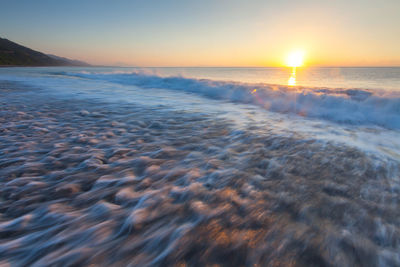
(13,54)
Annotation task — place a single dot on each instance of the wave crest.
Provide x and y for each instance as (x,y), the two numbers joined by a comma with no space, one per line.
(353,106)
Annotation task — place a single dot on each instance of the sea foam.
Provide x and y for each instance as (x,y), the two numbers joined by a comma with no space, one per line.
(84,181)
(352,106)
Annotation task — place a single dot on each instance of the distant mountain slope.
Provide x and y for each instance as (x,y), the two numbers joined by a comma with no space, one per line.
(13,54)
(71,62)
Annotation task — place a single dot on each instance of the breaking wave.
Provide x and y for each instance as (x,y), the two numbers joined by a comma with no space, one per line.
(352,106)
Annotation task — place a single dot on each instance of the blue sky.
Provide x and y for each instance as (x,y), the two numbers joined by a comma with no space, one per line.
(208,33)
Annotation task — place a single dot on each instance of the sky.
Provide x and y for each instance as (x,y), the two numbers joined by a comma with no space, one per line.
(208,32)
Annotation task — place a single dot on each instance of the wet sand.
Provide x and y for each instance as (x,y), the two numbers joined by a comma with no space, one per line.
(114,184)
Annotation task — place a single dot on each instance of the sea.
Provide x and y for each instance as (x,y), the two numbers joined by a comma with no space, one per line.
(357,106)
(200,166)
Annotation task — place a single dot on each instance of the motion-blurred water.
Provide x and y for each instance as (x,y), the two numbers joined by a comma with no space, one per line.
(199,166)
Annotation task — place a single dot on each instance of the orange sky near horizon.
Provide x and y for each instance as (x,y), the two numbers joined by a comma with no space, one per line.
(211,33)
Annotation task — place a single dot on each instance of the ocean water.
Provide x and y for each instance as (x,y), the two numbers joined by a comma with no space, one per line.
(387,78)
(197,166)
(357,106)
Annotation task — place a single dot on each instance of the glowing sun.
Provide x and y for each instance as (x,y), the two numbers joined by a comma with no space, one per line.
(295,59)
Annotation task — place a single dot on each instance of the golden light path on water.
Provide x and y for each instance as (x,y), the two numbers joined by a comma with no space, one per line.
(292,79)
(294,59)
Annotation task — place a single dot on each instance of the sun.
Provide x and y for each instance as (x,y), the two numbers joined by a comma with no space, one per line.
(295,59)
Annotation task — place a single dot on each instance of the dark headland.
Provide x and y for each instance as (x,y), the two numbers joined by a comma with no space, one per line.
(13,54)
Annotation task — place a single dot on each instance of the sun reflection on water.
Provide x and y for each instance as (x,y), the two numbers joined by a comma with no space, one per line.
(292,79)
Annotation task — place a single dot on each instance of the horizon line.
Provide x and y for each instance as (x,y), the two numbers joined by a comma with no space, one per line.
(260,67)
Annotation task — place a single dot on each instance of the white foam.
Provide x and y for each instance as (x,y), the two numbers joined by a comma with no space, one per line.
(351,106)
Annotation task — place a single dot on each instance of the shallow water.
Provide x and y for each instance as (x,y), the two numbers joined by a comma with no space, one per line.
(106,173)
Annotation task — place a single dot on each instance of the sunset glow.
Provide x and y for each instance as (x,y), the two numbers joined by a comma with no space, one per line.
(295,59)
(209,33)
(200,133)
